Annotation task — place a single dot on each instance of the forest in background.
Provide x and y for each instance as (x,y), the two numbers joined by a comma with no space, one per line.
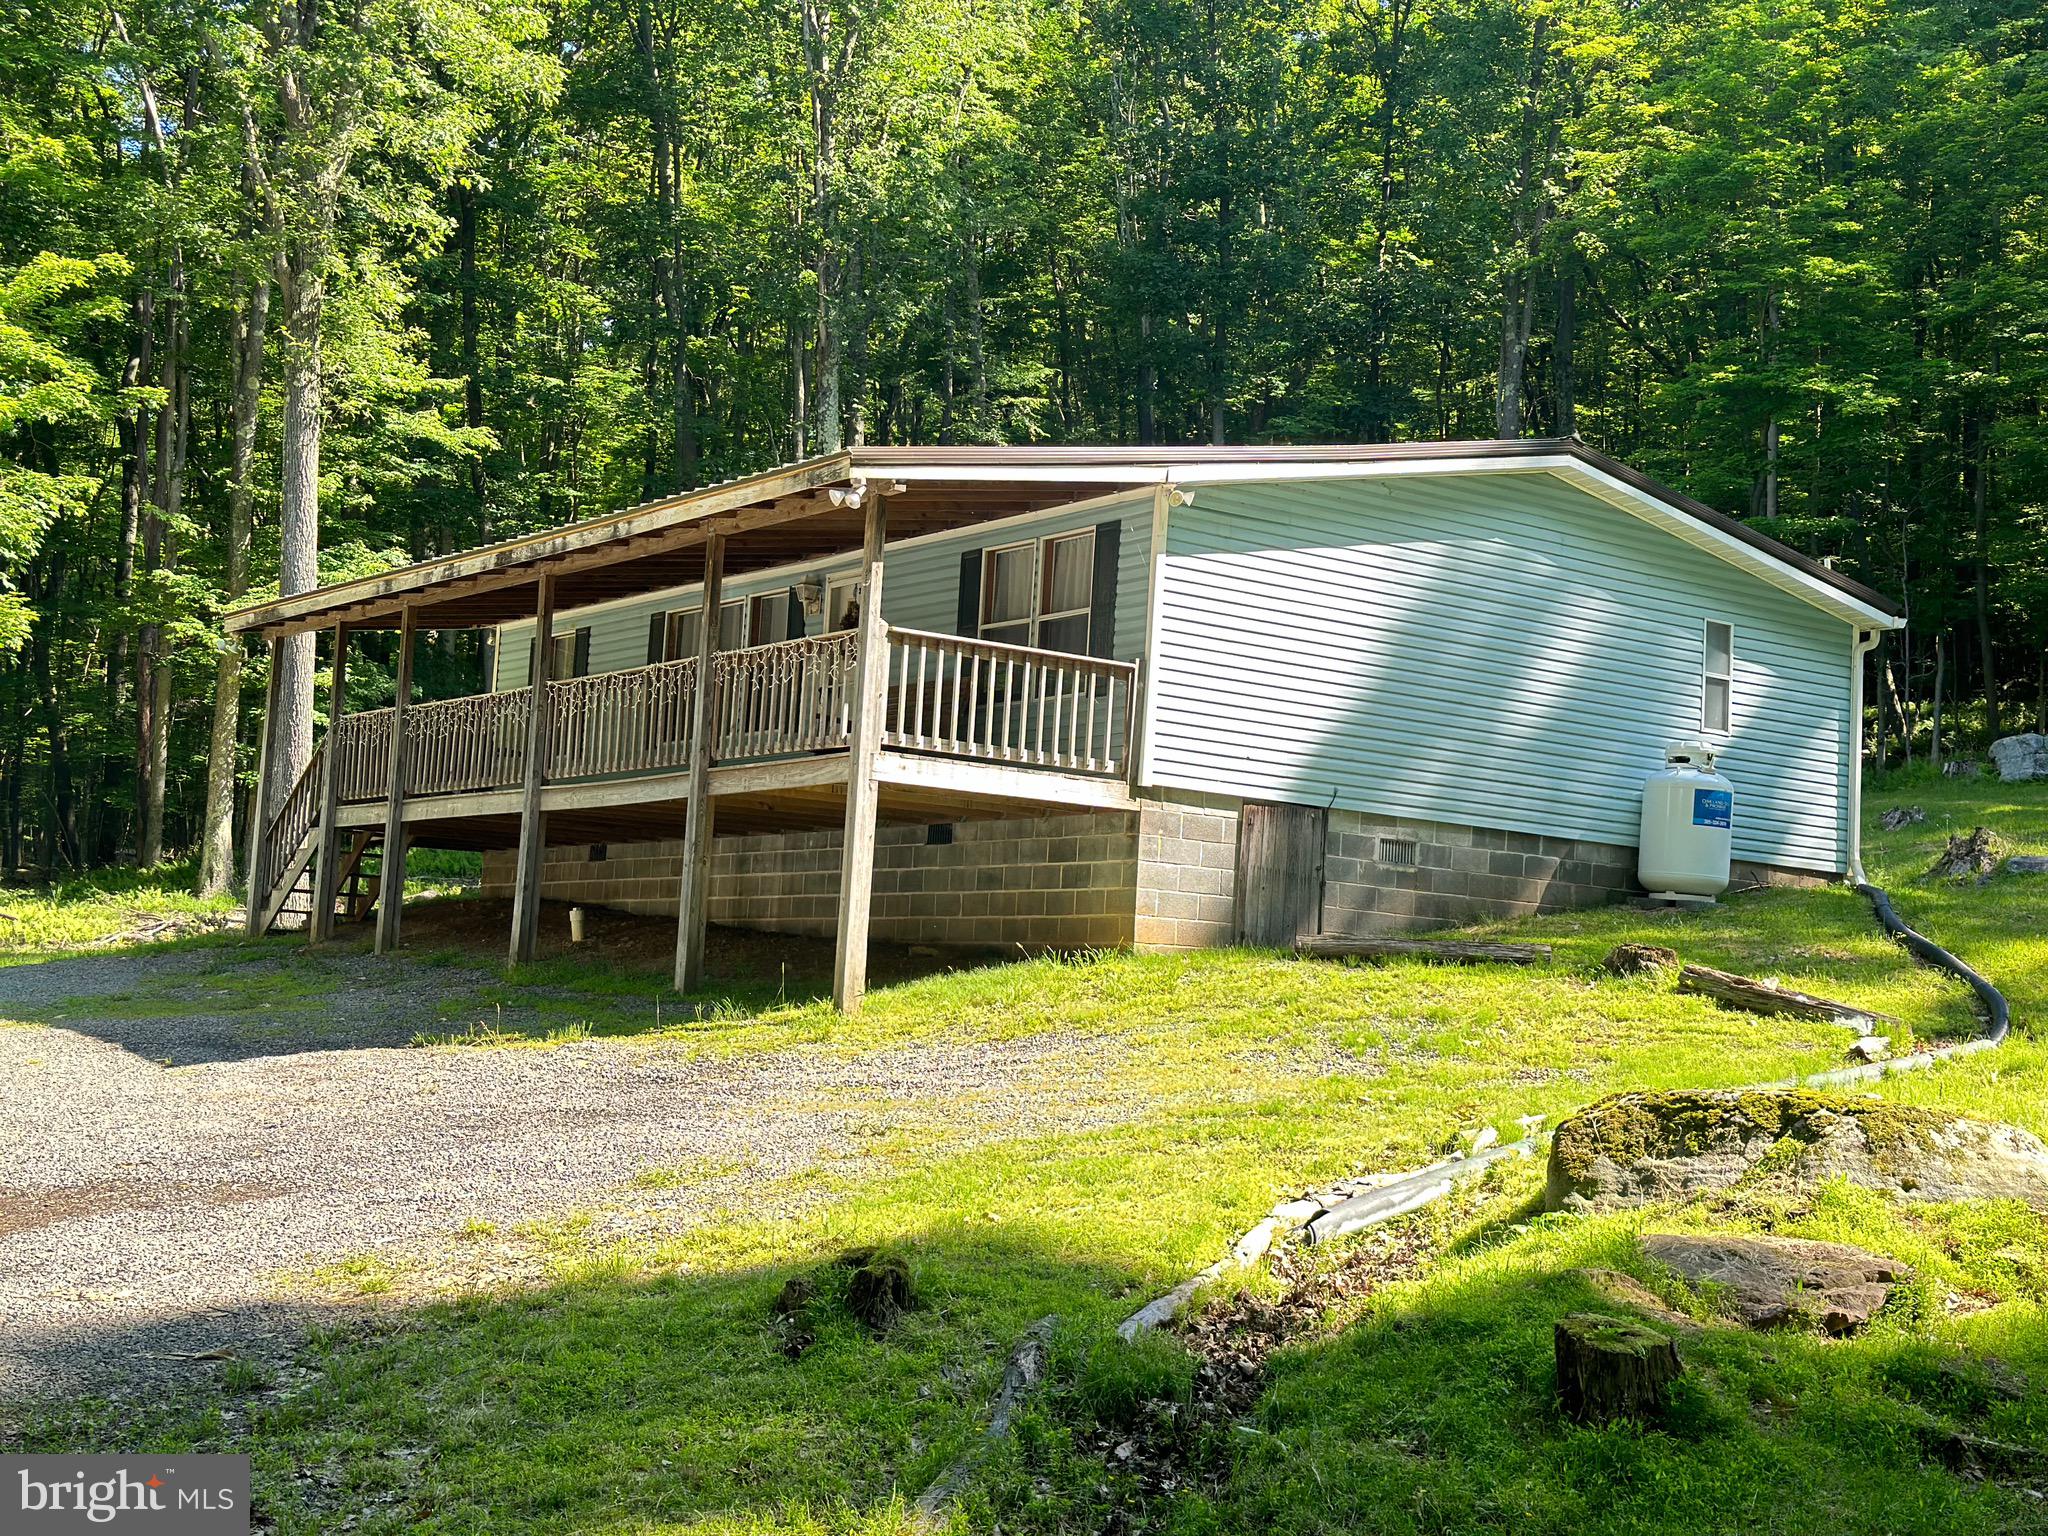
(303,289)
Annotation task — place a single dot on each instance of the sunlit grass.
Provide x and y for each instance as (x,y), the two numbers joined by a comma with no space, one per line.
(644,1388)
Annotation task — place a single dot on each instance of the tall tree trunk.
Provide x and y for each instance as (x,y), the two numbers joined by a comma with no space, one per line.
(153,677)
(1518,283)
(1767,492)
(472,380)
(56,725)
(1564,360)
(135,429)
(1980,496)
(217,838)
(304,294)
(828,49)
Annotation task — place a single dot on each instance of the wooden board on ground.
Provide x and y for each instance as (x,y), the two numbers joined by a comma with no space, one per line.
(1455,951)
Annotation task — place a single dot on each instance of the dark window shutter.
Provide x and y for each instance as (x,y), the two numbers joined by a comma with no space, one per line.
(657,637)
(969,621)
(490,661)
(795,626)
(580,667)
(532,658)
(1102,609)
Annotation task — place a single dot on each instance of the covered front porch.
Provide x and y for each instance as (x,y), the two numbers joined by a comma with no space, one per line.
(868,725)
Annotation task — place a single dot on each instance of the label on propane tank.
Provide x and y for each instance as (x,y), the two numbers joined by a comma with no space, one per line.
(1711,807)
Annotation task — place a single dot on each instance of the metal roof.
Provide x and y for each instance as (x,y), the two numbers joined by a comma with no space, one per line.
(812,510)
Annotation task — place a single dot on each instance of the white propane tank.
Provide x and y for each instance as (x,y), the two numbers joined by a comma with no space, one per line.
(1688,820)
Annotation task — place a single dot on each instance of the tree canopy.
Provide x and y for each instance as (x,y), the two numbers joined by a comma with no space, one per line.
(303,288)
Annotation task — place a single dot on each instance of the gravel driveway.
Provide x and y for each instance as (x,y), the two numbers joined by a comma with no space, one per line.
(164,1169)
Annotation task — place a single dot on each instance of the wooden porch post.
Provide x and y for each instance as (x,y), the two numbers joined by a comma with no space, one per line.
(320,924)
(693,903)
(533,830)
(391,883)
(260,810)
(857,860)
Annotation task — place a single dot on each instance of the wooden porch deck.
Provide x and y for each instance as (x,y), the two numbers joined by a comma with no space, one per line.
(963,729)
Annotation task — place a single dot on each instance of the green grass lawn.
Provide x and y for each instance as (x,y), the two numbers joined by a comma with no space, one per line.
(90,909)
(645,1390)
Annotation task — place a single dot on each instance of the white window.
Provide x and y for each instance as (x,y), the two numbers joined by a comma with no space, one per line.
(1717,678)
(562,661)
(769,618)
(732,625)
(680,640)
(842,604)
(1040,592)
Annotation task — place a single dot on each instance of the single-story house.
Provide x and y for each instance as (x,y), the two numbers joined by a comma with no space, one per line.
(1157,697)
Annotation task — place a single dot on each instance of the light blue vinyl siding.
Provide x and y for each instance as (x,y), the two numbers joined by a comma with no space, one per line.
(920,589)
(1496,650)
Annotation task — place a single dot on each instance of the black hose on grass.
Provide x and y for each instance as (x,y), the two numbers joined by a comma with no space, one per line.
(1997,1016)
(1426,1186)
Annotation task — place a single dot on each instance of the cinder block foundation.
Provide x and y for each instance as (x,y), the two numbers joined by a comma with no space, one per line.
(1163,877)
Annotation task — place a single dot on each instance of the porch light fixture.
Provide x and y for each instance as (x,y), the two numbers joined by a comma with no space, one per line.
(811,593)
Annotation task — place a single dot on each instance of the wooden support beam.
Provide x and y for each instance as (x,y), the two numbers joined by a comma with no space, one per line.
(327,861)
(857,859)
(580,547)
(693,905)
(392,881)
(261,812)
(533,819)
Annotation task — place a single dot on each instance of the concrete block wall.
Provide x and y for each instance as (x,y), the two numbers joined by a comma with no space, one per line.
(1187,874)
(1057,882)
(1161,878)
(1386,874)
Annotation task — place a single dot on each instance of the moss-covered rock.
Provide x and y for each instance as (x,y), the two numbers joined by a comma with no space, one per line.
(1637,1148)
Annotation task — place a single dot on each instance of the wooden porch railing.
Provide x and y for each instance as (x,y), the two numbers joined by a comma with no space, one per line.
(636,721)
(474,742)
(294,819)
(776,700)
(1007,703)
(364,767)
(943,694)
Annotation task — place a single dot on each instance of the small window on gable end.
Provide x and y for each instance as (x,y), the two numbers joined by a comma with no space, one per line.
(1717,679)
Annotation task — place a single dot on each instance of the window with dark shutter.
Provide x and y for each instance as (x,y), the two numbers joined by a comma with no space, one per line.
(968,619)
(579,659)
(657,638)
(1102,618)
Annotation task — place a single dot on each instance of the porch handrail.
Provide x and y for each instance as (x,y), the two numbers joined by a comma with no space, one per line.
(1000,702)
(364,767)
(632,721)
(955,695)
(790,697)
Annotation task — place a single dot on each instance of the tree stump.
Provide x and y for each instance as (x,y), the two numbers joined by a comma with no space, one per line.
(1610,1368)
(1971,857)
(879,1291)
(1639,959)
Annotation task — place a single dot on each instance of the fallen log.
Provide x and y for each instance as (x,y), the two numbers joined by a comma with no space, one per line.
(1455,951)
(1752,996)
(1023,1372)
